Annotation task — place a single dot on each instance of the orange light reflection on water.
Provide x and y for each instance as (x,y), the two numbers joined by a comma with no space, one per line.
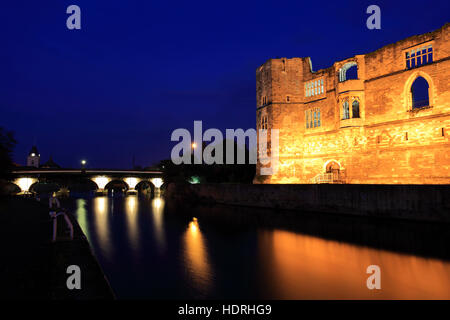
(304,267)
(196,257)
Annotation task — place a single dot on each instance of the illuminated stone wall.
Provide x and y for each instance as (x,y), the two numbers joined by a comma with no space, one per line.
(390,143)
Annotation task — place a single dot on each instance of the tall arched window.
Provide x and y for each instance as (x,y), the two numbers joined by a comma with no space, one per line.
(345,110)
(355,109)
(419,93)
(348,71)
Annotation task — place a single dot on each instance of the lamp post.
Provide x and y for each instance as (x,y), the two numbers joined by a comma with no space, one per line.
(193,146)
(83,166)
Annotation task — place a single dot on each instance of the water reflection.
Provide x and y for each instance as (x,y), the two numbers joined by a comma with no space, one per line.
(304,267)
(101,220)
(131,212)
(81,214)
(157,215)
(137,242)
(196,258)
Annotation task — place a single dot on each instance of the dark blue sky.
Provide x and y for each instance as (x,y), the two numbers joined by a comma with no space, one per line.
(137,70)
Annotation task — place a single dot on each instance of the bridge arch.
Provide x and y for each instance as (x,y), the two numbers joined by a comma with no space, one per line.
(11,188)
(145,186)
(115,182)
(42,187)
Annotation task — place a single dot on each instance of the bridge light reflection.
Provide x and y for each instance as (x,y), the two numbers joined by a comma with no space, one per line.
(101,205)
(131,209)
(157,214)
(157,203)
(196,257)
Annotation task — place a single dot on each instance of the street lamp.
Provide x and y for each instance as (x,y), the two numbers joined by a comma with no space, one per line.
(83,165)
(194,145)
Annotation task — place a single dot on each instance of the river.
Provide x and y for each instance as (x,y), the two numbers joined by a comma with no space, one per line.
(149,251)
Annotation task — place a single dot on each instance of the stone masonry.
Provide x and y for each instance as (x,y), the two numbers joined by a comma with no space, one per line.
(366,129)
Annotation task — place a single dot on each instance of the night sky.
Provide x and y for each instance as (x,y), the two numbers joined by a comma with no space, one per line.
(137,70)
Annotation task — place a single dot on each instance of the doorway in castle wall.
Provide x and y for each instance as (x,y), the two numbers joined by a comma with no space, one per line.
(333,168)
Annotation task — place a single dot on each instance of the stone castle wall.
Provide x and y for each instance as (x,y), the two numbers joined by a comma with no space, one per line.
(390,143)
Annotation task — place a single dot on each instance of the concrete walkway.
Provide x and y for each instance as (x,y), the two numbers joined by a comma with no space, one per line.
(32,267)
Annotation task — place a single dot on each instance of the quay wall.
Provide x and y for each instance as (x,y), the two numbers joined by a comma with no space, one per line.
(417,202)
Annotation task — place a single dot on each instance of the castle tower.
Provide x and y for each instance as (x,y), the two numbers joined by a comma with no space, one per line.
(279,101)
(33,157)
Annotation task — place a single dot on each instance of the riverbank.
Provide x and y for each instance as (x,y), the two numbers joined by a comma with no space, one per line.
(412,202)
(35,268)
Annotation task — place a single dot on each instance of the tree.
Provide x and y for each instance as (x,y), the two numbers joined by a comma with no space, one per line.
(214,173)
(7,143)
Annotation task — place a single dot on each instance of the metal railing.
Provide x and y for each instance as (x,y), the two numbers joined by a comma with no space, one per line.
(328,177)
(55,212)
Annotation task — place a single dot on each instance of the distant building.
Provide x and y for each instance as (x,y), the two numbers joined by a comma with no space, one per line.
(33,158)
(376,118)
(50,164)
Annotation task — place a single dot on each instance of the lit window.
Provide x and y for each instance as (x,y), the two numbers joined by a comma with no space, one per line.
(314,87)
(355,109)
(419,56)
(345,110)
(312,118)
(307,119)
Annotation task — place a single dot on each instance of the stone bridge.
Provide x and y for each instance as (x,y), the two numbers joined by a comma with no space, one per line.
(25,179)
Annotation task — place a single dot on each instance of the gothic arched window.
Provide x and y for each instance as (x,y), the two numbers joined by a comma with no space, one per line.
(419,93)
(355,109)
(345,110)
